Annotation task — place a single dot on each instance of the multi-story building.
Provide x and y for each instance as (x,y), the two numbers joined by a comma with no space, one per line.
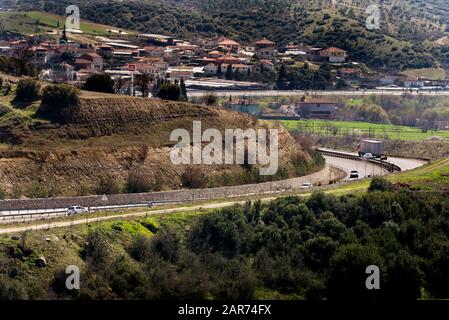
(265,49)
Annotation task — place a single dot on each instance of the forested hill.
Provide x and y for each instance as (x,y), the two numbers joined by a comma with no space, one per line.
(410,36)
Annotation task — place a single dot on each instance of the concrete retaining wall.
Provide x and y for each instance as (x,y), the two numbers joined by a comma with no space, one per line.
(322,177)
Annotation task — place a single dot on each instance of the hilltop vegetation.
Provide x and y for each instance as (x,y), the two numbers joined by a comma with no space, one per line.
(34,22)
(294,248)
(399,44)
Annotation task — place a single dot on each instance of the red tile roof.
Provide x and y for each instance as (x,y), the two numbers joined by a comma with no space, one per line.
(265,41)
(228,42)
(333,49)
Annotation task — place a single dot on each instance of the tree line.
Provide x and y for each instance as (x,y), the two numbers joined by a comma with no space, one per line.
(302,248)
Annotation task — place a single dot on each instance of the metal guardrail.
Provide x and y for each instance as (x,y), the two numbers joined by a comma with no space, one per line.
(29,214)
(390,167)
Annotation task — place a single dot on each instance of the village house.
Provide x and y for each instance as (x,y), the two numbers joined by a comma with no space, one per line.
(105,51)
(95,59)
(316,109)
(213,54)
(206,43)
(288,109)
(63,72)
(413,82)
(180,72)
(84,64)
(350,73)
(238,67)
(40,56)
(83,74)
(19,44)
(334,55)
(153,51)
(265,65)
(265,49)
(210,69)
(229,45)
(228,59)
(205,61)
(155,67)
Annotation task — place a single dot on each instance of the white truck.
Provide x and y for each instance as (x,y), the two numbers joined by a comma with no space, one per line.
(374,147)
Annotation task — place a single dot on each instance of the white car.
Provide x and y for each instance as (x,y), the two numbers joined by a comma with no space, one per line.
(75,210)
(354,174)
(368,156)
(306,185)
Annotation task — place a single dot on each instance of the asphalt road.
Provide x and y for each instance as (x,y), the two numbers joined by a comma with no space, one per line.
(365,168)
(265,93)
(60,224)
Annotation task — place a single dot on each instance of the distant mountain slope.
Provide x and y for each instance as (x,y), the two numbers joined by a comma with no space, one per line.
(407,37)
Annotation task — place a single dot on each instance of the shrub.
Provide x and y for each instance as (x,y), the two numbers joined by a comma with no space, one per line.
(193,178)
(137,183)
(4,110)
(167,245)
(97,252)
(140,248)
(100,82)
(210,99)
(169,91)
(27,90)
(380,184)
(107,185)
(11,289)
(56,99)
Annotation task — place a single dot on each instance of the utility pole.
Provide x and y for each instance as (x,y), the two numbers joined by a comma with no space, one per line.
(132,68)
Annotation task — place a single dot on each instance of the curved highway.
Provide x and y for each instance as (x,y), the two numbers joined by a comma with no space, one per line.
(367,169)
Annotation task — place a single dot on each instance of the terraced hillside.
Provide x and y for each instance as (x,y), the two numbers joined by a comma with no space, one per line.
(111,144)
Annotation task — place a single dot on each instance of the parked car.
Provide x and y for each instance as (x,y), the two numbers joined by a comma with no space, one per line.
(306,185)
(354,174)
(368,156)
(76,210)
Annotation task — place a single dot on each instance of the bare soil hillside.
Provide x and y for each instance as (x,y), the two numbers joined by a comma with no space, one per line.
(112,143)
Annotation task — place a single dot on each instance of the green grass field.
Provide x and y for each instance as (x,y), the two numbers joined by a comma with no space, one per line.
(430,73)
(363,129)
(25,23)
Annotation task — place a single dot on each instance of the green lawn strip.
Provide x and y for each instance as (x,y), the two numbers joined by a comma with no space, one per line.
(359,128)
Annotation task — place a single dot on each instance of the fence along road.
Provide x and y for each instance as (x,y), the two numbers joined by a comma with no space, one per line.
(17,208)
(31,209)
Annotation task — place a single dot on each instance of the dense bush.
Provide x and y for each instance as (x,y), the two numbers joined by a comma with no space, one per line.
(169,91)
(193,178)
(27,90)
(57,100)
(316,248)
(100,82)
(11,289)
(107,185)
(380,184)
(4,110)
(137,182)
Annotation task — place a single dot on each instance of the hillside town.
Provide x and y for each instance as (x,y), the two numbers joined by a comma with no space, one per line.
(204,64)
